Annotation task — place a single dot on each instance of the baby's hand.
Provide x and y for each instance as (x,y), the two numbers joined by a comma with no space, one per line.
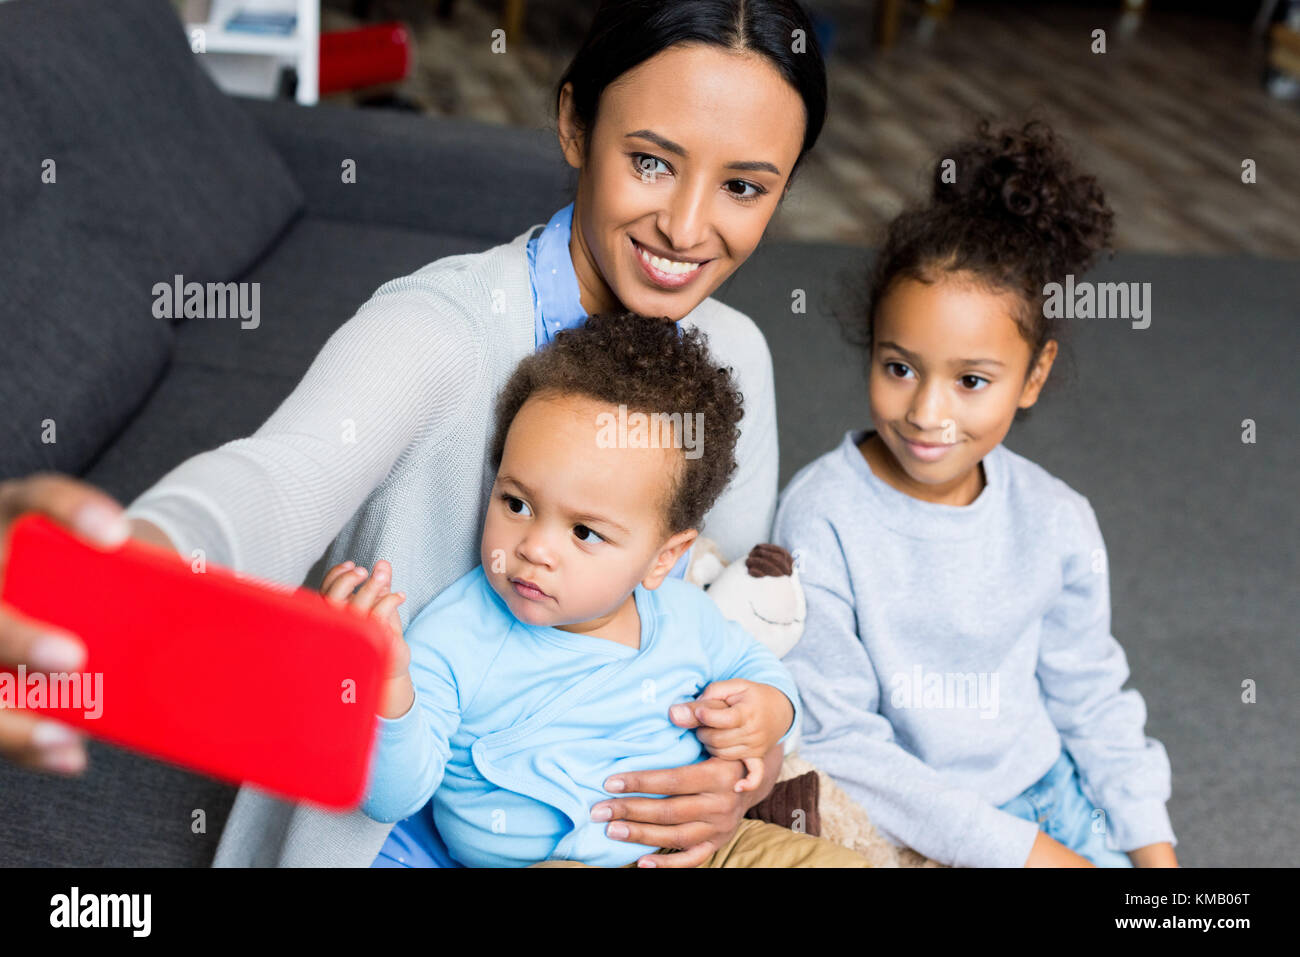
(372,599)
(740,720)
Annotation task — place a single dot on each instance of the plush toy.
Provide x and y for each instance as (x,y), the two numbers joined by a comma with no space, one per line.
(763,594)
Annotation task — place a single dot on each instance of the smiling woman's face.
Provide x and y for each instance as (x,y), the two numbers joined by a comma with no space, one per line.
(690,155)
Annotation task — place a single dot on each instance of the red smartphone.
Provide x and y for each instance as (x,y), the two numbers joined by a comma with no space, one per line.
(243,680)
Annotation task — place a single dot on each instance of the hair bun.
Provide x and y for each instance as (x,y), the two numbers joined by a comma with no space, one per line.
(1019,200)
(1021,175)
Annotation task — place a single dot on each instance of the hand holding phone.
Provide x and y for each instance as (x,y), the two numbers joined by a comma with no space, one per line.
(25,739)
(245,680)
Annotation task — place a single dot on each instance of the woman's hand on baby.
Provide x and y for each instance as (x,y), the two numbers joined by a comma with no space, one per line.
(697,812)
(374,599)
(739,720)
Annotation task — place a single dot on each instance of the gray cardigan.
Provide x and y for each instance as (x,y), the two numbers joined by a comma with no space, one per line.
(381,452)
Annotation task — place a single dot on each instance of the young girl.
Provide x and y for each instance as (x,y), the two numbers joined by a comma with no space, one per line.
(959,677)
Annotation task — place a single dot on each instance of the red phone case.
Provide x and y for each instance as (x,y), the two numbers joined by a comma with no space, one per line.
(239,679)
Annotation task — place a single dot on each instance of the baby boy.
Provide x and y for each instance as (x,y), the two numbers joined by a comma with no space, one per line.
(553,664)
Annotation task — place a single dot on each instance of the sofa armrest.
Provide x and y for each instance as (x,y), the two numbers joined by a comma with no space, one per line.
(450,176)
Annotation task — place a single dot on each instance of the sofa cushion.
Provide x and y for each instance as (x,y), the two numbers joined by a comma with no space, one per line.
(427,173)
(315,279)
(225,380)
(121,166)
(125,810)
(152,160)
(80,352)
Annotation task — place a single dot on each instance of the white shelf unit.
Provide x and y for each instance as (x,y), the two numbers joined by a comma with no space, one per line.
(249,63)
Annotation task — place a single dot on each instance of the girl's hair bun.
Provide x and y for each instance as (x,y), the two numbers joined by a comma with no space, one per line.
(1009,208)
(1022,177)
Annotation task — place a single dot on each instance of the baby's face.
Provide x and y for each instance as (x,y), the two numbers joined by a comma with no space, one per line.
(572,527)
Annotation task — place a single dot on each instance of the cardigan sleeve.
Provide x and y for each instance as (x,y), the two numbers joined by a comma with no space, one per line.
(742,516)
(268,505)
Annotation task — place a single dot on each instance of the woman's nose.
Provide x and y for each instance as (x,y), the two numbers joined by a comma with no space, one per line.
(685,220)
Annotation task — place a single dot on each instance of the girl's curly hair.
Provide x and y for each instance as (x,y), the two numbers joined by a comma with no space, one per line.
(651,365)
(1010,209)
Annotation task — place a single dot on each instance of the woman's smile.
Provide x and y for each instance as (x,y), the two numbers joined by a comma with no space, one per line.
(664,272)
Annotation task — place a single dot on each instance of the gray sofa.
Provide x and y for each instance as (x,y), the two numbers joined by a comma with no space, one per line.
(158,174)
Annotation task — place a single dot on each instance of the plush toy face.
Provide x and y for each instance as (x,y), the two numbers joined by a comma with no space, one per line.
(762,593)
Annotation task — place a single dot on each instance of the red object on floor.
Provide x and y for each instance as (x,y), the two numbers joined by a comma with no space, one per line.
(231,677)
(368,56)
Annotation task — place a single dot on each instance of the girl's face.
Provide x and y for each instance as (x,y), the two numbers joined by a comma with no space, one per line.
(690,154)
(949,369)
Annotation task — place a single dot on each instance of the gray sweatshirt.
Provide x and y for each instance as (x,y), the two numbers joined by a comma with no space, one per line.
(950,652)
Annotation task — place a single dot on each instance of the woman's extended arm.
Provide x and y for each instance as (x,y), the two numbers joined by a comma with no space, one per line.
(268,505)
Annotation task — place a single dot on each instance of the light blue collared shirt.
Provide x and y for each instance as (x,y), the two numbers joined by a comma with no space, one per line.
(557,302)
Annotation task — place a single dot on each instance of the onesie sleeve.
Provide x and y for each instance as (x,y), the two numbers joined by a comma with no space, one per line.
(412,751)
(1082,669)
(269,504)
(735,653)
(845,735)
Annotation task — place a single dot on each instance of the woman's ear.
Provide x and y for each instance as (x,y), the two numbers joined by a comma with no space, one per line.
(1038,375)
(571,136)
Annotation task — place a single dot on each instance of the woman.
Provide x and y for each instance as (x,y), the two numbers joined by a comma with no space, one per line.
(686,123)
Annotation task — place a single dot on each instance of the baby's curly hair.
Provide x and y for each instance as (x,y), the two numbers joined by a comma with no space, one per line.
(1017,216)
(651,365)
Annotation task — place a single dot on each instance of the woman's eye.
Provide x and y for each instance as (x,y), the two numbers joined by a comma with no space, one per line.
(748,197)
(973,382)
(893,369)
(516,505)
(585,534)
(644,164)
(648,166)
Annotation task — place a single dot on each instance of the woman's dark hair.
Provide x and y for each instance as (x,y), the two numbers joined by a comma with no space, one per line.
(1011,210)
(652,366)
(625,33)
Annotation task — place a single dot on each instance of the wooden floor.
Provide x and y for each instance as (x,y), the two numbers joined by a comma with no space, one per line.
(1164,118)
